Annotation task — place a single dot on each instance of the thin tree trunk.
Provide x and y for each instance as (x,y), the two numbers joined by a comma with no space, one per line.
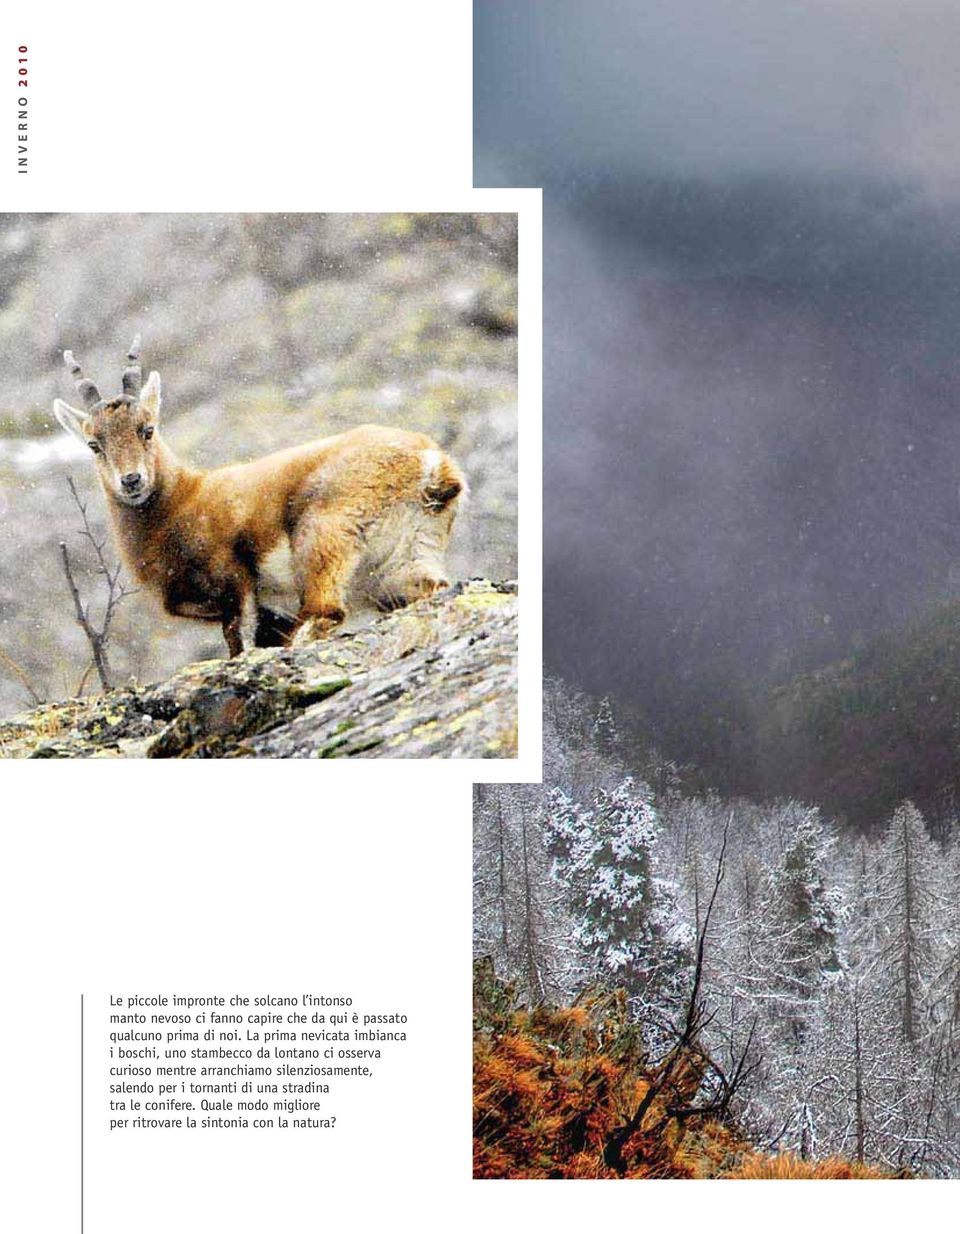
(858,1077)
(534,977)
(502,879)
(908,956)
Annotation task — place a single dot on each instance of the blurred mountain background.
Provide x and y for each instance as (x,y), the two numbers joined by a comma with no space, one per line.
(267,330)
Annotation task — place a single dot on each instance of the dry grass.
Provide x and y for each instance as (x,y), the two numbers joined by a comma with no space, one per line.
(788,1165)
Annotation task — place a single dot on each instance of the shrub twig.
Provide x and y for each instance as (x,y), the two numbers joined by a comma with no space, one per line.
(22,676)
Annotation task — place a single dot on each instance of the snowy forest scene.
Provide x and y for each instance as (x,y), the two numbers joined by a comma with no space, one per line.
(722,940)
(826,1002)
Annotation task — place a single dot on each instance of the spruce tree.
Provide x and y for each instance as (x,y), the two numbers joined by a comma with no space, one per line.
(628,928)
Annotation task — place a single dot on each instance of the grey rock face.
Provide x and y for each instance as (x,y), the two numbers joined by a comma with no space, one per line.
(435,680)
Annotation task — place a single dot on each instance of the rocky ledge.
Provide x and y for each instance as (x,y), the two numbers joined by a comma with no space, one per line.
(435,680)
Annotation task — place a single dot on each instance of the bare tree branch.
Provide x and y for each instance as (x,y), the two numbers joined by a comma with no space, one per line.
(97,638)
(78,693)
(686,1049)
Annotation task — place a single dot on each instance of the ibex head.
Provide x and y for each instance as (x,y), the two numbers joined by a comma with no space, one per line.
(119,432)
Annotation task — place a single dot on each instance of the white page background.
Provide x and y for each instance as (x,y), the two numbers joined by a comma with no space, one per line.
(273,878)
(255,878)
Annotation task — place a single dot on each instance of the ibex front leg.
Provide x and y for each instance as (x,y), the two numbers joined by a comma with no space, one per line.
(240,624)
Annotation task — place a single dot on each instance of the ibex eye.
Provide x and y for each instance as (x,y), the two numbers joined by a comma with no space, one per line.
(95,447)
(146,432)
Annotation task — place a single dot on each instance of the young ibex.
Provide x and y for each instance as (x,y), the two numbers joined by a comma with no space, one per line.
(361,517)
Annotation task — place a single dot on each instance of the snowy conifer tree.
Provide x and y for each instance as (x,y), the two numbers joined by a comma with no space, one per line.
(907,911)
(626,921)
(604,730)
(791,962)
(797,949)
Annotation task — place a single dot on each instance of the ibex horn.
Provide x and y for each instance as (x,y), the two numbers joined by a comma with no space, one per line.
(132,374)
(85,387)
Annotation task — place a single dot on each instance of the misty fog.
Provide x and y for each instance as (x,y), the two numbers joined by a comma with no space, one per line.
(751,399)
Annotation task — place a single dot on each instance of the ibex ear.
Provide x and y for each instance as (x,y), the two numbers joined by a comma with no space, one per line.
(71,419)
(150,396)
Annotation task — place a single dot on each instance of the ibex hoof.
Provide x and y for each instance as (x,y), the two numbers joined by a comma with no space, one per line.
(314,629)
(409,591)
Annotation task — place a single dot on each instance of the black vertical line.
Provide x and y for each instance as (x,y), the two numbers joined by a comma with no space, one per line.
(81,1114)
